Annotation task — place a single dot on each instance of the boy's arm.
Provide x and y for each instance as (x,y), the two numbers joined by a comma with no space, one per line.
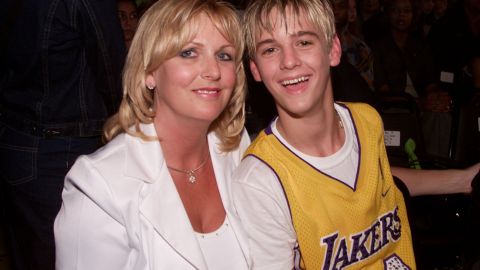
(263,209)
(434,182)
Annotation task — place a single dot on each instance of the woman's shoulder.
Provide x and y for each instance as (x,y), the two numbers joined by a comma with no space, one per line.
(95,163)
(110,150)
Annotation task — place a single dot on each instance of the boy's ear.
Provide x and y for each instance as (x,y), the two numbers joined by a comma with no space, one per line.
(335,52)
(255,72)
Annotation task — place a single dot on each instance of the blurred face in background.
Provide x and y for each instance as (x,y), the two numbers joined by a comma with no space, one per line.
(427,6)
(401,15)
(127,13)
(352,11)
(341,13)
(439,7)
(370,6)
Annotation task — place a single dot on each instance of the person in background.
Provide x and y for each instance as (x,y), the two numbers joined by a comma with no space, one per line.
(156,196)
(354,49)
(455,43)
(404,69)
(127,13)
(371,20)
(429,12)
(60,79)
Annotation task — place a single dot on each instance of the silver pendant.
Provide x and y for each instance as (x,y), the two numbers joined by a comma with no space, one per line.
(191,177)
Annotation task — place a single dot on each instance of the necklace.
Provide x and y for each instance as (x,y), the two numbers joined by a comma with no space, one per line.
(191,173)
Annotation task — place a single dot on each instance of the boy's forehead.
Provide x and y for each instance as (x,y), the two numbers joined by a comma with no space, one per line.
(288,22)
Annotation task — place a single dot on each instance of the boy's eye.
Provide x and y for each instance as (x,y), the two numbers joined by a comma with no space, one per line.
(223,56)
(268,51)
(304,43)
(189,53)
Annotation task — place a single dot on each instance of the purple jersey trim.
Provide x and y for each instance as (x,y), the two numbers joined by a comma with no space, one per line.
(278,178)
(268,131)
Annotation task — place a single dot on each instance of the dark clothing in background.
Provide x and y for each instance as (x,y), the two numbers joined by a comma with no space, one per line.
(454,45)
(62,64)
(349,86)
(391,65)
(60,79)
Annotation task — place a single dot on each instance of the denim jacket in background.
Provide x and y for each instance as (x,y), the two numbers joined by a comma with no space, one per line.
(61,63)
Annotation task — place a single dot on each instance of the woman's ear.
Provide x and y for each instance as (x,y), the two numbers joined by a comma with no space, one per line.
(150,82)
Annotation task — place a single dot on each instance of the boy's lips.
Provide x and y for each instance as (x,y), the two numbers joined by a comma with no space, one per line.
(295,85)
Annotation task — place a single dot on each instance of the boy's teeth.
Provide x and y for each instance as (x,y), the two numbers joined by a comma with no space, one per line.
(294,81)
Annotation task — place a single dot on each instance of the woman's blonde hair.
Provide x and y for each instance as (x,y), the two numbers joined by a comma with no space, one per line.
(164,29)
(257,18)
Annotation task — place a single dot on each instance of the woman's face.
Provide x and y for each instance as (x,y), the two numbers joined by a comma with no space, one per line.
(401,15)
(127,12)
(197,83)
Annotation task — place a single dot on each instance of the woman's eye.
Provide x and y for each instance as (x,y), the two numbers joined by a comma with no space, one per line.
(187,53)
(225,56)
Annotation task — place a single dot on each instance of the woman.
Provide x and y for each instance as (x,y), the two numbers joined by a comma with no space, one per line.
(155,197)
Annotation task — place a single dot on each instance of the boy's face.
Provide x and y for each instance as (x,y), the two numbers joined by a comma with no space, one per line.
(294,64)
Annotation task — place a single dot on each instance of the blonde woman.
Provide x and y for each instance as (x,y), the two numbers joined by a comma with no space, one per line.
(155,197)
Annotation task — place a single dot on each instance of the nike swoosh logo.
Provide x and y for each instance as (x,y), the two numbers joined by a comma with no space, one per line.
(386,191)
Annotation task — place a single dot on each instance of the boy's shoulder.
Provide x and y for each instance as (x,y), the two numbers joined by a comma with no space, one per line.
(358,107)
(362,112)
(262,141)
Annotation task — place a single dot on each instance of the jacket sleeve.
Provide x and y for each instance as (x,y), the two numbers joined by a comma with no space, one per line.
(89,233)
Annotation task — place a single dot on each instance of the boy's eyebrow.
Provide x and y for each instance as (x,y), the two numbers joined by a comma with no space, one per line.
(265,41)
(307,33)
(297,34)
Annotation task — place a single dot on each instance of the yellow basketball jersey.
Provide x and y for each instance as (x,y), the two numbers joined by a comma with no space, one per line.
(339,226)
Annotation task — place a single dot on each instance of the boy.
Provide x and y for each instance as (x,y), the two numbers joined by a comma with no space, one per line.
(315,189)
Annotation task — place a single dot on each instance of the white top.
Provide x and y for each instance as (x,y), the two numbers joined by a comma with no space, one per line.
(260,201)
(220,248)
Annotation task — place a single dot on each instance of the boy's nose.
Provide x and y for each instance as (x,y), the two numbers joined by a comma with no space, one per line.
(289,59)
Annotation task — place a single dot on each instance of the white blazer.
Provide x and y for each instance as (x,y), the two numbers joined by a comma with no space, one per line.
(121,209)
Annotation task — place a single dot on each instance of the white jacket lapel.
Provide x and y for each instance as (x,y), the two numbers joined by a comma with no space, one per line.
(160,203)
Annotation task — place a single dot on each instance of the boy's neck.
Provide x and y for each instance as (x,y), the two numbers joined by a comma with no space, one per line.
(320,135)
